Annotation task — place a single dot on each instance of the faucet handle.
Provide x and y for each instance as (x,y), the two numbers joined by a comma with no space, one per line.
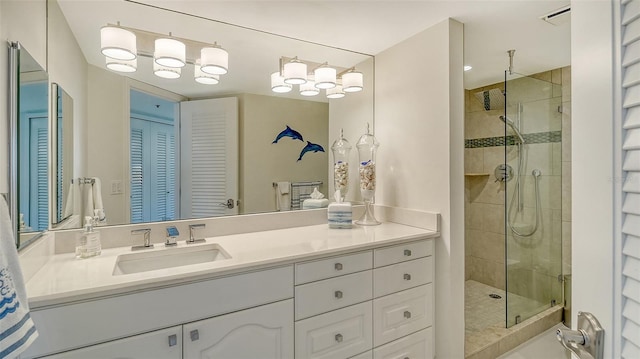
(146,232)
(192,230)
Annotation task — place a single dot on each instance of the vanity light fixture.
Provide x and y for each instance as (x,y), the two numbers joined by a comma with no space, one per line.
(352,81)
(166,72)
(313,77)
(122,65)
(295,72)
(278,85)
(309,88)
(170,52)
(214,60)
(325,77)
(203,77)
(335,92)
(118,43)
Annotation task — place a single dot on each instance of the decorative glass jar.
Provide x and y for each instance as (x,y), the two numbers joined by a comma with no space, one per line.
(367,146)
(341,149)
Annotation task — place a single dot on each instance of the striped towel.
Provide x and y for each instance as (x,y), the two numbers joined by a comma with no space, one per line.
(17,330)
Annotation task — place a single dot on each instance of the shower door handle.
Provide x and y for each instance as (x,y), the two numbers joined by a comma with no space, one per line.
(588,339)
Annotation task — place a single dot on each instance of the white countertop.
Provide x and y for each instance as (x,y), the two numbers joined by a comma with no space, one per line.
(65,279)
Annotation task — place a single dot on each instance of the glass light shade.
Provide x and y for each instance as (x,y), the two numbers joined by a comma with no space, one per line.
(166,72)
(205,78)
(170,53)
(335,92)
(277,83)
(352,81)
(325,77)
(122,65)
(118,43)
(295,72)
(214,60)
(309,88)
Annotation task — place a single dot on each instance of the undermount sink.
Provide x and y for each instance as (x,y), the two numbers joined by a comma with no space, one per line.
(168,258)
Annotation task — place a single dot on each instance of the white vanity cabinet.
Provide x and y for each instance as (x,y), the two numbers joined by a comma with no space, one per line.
(371,304)
(264,332)
(161,344)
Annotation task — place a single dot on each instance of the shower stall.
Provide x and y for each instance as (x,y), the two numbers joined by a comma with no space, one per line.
(516,200)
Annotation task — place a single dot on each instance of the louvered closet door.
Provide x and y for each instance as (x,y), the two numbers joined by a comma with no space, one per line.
(209,157)
(631,188)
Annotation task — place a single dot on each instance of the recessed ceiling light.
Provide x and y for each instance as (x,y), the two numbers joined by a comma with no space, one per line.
(467,67)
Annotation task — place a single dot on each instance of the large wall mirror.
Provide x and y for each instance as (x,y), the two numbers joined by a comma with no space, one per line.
(29,192)
(162,149)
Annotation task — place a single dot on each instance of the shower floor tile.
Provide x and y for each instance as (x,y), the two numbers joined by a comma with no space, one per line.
(480,310)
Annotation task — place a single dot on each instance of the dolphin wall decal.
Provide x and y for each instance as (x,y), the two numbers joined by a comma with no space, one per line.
(288,132)
(310,147)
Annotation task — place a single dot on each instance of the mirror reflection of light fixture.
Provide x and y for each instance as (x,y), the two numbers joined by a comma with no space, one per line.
(295,72)
(122,65)
(309,88)
(278,85)
(352,81)
(214,60)
(325,77)
(166,72)
(118,43)
(203,77)
(170,53)
(335,92)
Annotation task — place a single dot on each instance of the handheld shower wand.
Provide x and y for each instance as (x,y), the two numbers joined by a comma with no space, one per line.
(508,121)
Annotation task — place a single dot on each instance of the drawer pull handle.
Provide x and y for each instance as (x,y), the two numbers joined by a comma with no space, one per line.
(406,358)
(338,294)
(407,314)
(194,335)
(407,252)
(338,266)
(173,340)
(339,338)
(407,276)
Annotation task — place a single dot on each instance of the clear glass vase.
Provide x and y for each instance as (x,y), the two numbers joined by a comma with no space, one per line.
(341,149)
(367,146)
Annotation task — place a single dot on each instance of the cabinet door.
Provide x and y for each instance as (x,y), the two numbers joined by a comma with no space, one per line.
(161,344)
(264,332)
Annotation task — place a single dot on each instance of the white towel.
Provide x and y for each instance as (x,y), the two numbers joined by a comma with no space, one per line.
(283,199)
(17,330)
(87,194)
(98,207)
(68,206)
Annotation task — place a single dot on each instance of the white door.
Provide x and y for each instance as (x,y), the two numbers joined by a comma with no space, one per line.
(264,332)
(209,157)
(161,344)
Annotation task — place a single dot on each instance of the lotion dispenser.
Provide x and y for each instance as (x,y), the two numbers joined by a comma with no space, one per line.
(88,244)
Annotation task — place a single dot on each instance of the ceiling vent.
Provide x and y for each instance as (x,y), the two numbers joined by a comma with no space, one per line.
(559,16)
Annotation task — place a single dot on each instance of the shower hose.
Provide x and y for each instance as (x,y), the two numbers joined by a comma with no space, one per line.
(536,178)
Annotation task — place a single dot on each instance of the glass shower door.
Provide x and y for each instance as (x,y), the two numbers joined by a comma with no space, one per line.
(533,225)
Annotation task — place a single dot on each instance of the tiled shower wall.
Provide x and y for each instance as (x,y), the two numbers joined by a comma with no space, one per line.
(533,261)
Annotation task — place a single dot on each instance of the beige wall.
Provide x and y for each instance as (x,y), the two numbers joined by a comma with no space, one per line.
(420,160)
(535,262)
(262,118)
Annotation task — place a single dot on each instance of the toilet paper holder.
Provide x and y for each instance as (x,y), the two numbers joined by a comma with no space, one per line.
(586,342)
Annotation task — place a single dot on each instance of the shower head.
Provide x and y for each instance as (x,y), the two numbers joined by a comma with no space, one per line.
(509,122)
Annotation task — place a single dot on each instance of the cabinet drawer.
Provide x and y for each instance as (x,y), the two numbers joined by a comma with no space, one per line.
(399,314)
(332,267)
(415,346)
(339,334)
(323,296)
(402,276)
(402,253)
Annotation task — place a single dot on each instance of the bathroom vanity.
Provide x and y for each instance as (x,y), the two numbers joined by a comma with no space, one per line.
(305,292)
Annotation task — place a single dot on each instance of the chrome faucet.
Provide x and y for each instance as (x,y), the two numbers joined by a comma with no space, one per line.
(192,237)
(146,232)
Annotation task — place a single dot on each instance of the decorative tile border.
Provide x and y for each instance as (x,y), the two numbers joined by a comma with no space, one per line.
(529,138)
